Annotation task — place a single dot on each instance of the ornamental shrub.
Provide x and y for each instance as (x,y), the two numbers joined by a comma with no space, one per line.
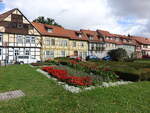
(119,54)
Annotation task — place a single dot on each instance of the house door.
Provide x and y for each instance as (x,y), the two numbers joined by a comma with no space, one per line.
(75,53)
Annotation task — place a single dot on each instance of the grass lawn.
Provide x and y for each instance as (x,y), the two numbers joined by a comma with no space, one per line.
(45,96)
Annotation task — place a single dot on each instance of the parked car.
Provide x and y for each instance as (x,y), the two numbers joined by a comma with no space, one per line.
(25,59)
(107,58)
(92,57)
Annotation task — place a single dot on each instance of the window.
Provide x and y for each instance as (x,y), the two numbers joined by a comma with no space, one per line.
(33,40)
(19,39)
(13,25)
(1,37)
(16,52)
(65,43)
(82,44)
(74,44)
(47,42)
(79,35)
(124,40)
(49,30)
(0,51)
(19,26)
(52,42)
(27,52)
(27,39)
(63,53)
(49,54)
(145,46)
(90,37)
(80,54)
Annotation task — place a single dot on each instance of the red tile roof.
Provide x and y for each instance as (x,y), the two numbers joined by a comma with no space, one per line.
(58,31)
(141,40)
(105,33)
(74,35)
(94,34)
(121,37)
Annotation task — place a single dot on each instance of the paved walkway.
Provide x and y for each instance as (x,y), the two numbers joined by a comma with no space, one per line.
(11,95)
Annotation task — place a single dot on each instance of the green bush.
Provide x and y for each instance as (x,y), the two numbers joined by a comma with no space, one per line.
(118,54)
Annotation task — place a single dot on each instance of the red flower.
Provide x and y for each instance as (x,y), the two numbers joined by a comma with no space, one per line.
(64,76)
(47,68)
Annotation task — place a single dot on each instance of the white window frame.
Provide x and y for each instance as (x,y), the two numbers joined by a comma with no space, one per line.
(27,52)
(16,52)
(65,43)
(28,40)
(49,54)
(19,39)
(33,40)
(47,42)
(53,42)
(63,53)
(74,44)
(91,37)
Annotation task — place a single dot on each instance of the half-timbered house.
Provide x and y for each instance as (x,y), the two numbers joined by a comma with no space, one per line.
(19,39)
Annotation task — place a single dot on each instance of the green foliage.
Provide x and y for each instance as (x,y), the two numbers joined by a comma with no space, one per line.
(107,75)
(43,95)
(48,21)
(118,54)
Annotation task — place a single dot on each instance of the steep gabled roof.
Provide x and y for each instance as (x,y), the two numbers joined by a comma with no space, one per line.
(6,14)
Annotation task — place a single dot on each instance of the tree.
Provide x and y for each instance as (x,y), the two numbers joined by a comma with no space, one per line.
(48,21)
(119,54)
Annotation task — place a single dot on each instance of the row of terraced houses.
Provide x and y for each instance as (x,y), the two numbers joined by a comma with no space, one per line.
(19,38)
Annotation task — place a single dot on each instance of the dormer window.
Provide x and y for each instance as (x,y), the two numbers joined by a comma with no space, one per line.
(49,30)
(117,39)
(107,38)
(79,35)
(124,40)
(100,38)
(90,37)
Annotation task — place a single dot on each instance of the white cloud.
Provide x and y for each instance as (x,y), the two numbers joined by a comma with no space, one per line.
(84,14)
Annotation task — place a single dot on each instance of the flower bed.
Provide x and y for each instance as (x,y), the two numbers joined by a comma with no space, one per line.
(105,73)
(64,76)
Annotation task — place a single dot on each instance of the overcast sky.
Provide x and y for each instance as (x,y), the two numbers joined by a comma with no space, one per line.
(116,16)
